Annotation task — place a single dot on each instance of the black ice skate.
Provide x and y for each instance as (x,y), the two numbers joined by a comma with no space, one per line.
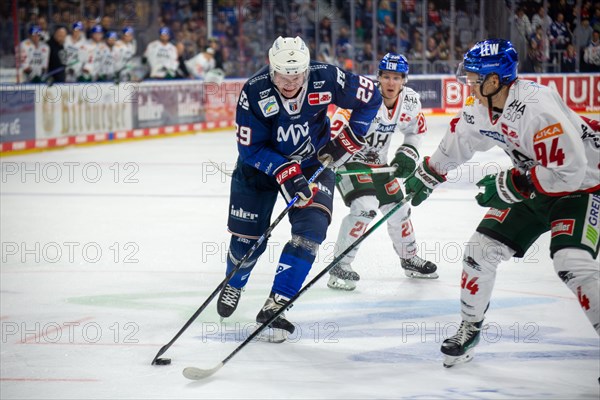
(416,267)
(342,277)
(228,301)
(460,347)
(279,329)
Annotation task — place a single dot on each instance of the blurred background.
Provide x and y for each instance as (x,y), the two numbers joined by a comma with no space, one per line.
(551,35)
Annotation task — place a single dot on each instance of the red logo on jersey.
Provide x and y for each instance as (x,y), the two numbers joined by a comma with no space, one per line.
(562,227)
(364,178)
(319,98)
(508,132)
(421,123)
(498,215)
(392,187)
(453,124)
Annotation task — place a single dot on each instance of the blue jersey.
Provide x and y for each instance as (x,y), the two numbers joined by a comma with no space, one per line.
(271,130)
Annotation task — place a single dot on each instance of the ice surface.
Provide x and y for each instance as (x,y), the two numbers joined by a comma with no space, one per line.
(108,250)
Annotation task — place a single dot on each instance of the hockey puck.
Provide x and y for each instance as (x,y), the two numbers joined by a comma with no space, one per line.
(163,361)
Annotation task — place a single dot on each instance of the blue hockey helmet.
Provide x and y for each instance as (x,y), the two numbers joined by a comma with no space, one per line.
(35,30)
(392,62)
(164,31)
(492,56)
(97,29)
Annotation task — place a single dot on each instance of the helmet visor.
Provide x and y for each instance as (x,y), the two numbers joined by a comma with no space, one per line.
(461,76)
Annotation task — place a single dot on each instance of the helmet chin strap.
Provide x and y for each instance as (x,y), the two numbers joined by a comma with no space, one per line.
(489,96)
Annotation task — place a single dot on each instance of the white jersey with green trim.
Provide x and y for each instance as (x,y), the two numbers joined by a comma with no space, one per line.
(405,117)
(537,130)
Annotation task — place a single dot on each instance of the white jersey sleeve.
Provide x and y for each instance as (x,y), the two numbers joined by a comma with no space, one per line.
(405,118)
(553,136)
(537,131)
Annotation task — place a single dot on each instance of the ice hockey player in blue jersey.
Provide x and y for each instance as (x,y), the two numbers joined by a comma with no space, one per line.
(283,137)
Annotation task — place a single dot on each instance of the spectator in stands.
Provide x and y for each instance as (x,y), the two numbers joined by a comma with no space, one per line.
(591,54)
(540,18)
(582,35)
(162,57)
(43,24)
(218,55)
(560,36)
(200,64)
(569,59)
(33,57)
(58,56)
(520,33)
(535,56)
(595,20)
(182,69)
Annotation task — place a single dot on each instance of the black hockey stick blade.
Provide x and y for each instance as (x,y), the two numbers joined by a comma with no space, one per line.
(194,373)
(237,267)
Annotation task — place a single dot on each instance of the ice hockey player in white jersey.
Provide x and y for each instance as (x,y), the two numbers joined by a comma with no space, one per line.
(75,46)
(96,51)
(554,185)
(33,57)
(123,52)
(161,55)
(109,58)
(400,112)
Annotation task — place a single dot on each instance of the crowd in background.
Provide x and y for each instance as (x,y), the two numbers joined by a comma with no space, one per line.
(561,38)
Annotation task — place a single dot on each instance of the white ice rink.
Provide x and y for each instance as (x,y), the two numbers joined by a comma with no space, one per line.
(108,250)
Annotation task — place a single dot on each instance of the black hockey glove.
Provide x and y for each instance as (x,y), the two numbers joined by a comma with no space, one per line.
(289,176)
(504,189)
(341,148)
(405,160)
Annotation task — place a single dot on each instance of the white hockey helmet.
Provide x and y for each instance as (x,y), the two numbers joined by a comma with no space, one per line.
(288,56)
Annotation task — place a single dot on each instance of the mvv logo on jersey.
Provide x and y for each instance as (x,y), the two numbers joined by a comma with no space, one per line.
(319,98)
(295,131)
(269,106)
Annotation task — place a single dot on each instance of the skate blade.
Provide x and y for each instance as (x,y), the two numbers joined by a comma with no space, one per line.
(418,275)
(451,361)
(340,284)
(271,335)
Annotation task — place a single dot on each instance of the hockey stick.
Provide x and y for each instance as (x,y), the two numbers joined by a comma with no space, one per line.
(237,267)
(194,373)
(366,171)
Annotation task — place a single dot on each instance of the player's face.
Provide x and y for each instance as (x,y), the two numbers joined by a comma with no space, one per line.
(391,83)
(473,81)
(288,85)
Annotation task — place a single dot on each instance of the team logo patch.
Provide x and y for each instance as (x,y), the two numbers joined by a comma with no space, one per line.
(364,178)
(548,132)
(392,187)
(264,93)
(319,98)
(498,215)
(493,135)
(470,101)
(269,106)
(562,227)
(318,84)
(591,226)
